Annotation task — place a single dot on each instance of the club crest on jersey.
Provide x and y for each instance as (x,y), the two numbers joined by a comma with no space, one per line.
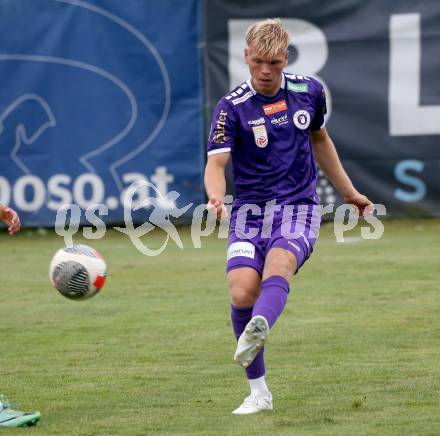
(273,108)
(301,119)
(260,135)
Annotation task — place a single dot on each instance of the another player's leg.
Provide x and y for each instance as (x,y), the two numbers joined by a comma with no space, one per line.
(13,418)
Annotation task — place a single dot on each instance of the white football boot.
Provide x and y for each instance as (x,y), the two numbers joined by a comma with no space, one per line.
(254,404)
(251,340)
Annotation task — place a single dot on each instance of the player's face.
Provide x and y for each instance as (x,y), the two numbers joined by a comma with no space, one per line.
(265,70)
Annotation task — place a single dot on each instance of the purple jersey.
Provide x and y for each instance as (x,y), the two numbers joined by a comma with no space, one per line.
(269,140)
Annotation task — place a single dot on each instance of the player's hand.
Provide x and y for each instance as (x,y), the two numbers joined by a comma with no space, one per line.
(215,206)
(11,219)
(362,204)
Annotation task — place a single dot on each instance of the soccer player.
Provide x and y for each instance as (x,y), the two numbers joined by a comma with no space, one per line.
(8,416)
(273,127)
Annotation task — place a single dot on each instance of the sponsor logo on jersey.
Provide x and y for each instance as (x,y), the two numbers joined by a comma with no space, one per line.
(273,108)
(243,98)
(245,249)
(219,131)
(280,121)
(301,119)
(298,87)
(257,122)
(260,135)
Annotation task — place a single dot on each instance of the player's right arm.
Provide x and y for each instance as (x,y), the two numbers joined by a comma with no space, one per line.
(215,181)
(221,141)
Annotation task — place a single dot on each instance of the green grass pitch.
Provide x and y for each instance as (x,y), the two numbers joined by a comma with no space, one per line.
(356,351)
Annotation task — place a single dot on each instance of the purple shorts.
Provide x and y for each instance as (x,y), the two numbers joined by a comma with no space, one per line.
(255,230)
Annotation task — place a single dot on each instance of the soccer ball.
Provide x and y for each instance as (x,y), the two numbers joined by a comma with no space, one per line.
(78,272)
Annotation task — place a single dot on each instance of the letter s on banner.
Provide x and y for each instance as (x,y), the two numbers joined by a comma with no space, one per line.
(400,172)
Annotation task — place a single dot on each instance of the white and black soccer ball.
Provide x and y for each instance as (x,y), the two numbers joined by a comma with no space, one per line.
(78,272)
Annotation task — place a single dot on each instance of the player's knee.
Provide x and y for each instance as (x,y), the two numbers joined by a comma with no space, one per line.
(244,285)
(242,296)
(243,300)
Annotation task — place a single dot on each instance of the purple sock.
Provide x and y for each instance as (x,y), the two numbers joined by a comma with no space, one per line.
(240,317)
(272,299)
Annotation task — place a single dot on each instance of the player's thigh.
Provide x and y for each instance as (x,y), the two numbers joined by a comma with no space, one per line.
(279,262)
(244,285)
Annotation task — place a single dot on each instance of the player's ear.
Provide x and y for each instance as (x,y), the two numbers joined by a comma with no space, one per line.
(246,56)
(286,58)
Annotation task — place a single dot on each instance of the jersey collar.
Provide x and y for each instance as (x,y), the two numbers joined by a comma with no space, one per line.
(283,84)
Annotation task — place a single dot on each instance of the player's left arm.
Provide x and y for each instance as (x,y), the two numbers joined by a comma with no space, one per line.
(328,160)
(10,218)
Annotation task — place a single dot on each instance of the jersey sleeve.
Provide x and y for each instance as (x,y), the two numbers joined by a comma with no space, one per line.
(321,108)
(223,131)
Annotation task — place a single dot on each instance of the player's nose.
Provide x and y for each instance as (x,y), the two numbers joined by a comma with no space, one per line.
(265,70)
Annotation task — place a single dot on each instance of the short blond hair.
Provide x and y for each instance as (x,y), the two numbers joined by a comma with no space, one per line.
(268,37)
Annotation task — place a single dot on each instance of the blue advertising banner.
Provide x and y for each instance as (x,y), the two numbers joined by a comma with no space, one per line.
(95,95)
